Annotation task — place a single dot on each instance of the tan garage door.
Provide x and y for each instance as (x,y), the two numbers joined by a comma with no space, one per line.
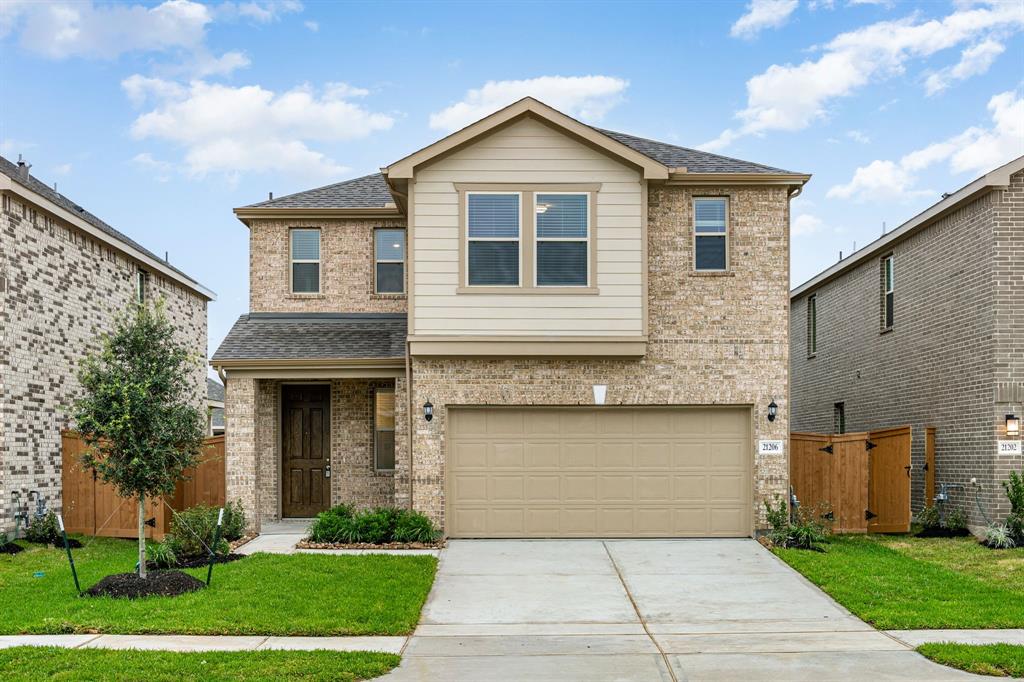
(598,472)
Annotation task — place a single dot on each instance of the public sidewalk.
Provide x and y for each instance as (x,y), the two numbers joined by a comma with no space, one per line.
(392,645)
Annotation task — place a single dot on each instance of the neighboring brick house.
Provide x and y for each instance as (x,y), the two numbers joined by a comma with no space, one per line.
(925,326)
(214,407)
(65,275)
(586,358)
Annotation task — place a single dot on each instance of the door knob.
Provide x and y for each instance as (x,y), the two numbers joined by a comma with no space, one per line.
(327,471)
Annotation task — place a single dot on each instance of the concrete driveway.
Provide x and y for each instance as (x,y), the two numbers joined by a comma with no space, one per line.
(641,610)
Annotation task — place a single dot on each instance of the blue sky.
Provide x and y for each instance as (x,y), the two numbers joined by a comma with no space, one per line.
(162,117)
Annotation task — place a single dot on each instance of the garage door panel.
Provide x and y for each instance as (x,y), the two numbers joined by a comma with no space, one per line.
(599,472)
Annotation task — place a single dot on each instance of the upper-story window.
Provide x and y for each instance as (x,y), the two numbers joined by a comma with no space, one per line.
(563,239)
(812,324)
(305,260)
(888,287)
(141,283)
(389,261)
(710,234)
(493,222)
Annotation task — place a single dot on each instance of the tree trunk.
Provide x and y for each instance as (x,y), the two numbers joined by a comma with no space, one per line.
(142,536)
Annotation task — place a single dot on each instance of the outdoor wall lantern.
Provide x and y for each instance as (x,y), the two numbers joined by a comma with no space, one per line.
(428,410)
(773,410)
(1012,425)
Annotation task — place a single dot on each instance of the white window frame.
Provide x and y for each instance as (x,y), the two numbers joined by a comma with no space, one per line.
(888,289)
(812,325)
(292,260)
(469,240)
(376,430)
(376,260)
(537,239)
(725,235)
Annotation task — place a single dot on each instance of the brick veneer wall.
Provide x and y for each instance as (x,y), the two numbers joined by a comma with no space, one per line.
(59,291)
(346,268)
(939,365)
(719,340)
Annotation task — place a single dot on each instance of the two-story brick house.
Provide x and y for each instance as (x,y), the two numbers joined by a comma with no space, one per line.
(65,276)
(531,328)
(925,326)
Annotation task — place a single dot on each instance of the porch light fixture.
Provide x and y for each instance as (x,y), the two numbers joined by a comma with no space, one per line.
(773,410)
(1012,425)
(428,410)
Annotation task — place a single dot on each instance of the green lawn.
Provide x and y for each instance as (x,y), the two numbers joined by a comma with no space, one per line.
(264,594)
(1004,660)
(53,663)
(902,582)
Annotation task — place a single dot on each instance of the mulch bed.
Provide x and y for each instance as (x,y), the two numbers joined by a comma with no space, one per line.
(943,533)
(198,561)
(306,543)
(158,583)
(11,548)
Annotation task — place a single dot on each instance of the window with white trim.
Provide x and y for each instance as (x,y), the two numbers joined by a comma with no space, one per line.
(888,289)
(812,324)
(389,261)
(305,260)
(493,230)
(710,234)
(384,429)
(563,239)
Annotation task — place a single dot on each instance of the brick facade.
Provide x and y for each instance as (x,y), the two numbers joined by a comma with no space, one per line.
(60,289)
(954,358)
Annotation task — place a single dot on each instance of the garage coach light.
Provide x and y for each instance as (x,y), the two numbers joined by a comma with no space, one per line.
(773,410)
(428,410)
(1012,425)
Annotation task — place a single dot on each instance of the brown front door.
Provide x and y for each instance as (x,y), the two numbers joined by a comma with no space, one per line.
(305,450)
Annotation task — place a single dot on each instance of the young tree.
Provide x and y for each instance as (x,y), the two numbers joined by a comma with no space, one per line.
(138,411)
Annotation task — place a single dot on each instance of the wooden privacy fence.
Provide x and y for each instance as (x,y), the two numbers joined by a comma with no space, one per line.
(92,507)
(863,477)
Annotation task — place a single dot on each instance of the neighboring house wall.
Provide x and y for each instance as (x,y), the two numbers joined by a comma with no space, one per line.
(61,291)
(529,153)
(954,337)
(716,340)
(346,268)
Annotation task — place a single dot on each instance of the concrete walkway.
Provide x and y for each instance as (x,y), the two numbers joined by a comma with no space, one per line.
(206,643)
(916,638)
(641,610)
(281,538)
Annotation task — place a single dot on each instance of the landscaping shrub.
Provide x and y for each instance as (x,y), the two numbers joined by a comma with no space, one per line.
(935,524)
(929,517)
(378,526)
(234,521)
(778,521)
(1014,488)
(192,532)
(956,519)
(43,530)
(999,536)
(808,529)
(162,554)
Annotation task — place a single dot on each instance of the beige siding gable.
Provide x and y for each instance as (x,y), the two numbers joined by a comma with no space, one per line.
(530,153)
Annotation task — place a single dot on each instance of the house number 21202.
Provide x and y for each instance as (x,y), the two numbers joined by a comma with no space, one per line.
(1009,447)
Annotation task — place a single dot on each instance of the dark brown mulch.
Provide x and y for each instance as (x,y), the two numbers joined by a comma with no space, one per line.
(943,533)
(11,548)
(158,583)
(198,561)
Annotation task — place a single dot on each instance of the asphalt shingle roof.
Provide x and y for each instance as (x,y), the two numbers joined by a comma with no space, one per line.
(313,336)
(369,191)
(694,160)
(11,170)
(214,390)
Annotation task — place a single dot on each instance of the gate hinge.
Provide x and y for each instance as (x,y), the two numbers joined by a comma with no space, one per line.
(925,467)
(151,522)
(868,445)
(827,448)
(868,515)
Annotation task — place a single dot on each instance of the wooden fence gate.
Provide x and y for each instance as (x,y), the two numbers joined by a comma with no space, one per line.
(91,507)
(864,478)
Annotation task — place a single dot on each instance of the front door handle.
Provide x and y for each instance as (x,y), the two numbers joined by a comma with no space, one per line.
(327,471)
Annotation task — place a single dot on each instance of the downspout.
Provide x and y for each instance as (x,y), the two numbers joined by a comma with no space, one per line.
(408,410)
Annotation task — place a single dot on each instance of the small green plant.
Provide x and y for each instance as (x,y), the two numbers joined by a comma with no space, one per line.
(234,521)
(1014,488)
(43,530)
(372,526)
(929,517)
(808,529)
(999,536)
(956,519)
(193,531)
(778,521)
(162,554)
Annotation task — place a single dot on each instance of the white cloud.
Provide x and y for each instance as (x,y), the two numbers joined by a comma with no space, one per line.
(62,169)
(263,12)
(81,29)
(311,25)
(858,136)
(762,14)
(233,130)
(161,169)
(139,88)
(792,97)
(806,224)
(224,65)
(974,61)
(586,97)
(976,150)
